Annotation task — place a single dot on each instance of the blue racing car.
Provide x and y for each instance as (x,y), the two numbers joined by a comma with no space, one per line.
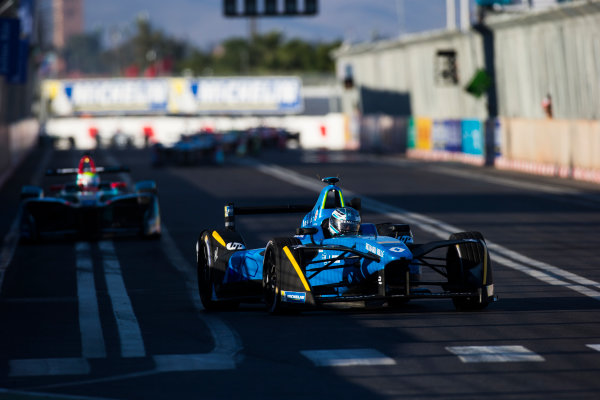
(335,257)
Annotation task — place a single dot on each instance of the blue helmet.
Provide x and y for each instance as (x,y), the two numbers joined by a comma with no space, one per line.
(344,221)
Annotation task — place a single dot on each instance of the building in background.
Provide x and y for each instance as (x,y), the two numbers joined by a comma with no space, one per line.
(67,20)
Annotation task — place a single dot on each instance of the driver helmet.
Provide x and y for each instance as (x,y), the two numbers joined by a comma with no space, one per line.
(344,221)
(88,179)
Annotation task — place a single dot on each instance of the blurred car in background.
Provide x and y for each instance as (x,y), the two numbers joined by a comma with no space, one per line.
(208,147)
(192,149)
(88,208)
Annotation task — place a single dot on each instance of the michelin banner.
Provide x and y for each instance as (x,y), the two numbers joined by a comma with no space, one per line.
(239,95)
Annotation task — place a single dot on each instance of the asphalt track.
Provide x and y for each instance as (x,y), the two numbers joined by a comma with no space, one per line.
(121,319)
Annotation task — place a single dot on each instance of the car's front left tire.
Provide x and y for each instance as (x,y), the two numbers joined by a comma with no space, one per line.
(206,283)
(275,265)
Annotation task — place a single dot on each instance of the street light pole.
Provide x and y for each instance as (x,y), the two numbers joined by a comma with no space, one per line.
(450,15)
(487,36)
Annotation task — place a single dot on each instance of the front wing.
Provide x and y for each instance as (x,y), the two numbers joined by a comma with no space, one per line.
(125,215)
(392,281)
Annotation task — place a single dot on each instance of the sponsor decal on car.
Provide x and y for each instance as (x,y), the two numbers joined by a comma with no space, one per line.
(235,246)
(397,249)
(293,297)
(374,250)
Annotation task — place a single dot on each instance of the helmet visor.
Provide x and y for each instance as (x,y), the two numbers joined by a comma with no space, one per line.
(346,227)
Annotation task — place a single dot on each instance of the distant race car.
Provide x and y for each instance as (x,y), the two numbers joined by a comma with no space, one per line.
(335,258)
(190,150)
(88,208)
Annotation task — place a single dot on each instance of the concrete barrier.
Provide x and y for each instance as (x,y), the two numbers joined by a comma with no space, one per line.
(564,148)
(16,141)
(4,143)
(326,131)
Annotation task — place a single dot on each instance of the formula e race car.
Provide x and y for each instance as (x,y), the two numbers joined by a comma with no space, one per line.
(201,147)
(88,208)
(320,264)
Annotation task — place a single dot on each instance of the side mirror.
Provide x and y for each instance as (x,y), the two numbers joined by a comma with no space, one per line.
(306,231)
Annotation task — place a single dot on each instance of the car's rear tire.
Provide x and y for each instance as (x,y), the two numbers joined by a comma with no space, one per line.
(206,284)
(276,263)
(460,259)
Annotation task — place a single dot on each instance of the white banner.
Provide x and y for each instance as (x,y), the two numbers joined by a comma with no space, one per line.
(236,95)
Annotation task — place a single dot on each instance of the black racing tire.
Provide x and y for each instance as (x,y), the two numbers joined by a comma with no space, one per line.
(206,283)
(469,255)
(28,221)
(275,262)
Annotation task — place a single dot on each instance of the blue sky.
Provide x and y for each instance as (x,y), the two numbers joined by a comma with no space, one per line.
(202,21)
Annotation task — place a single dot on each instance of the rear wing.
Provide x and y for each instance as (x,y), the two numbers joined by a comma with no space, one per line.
(231,211)
(75,171)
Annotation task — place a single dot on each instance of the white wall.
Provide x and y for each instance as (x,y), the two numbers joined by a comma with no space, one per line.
(167,130)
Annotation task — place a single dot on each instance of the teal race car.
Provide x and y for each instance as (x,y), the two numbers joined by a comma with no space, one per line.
(335,257)
(88,209)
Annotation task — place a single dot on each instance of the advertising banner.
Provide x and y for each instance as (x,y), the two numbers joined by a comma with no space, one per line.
(257,95)
(15,37)
(99,96)
(472,137)
(453,136)
(439,135)
(260,95)
(424,134)
(9,47)
(497,138)
(411,142)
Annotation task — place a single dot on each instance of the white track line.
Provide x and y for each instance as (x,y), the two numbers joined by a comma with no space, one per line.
(494,354)
(227,343)
(537,269)
(92,338)
(132,343)
(347,357)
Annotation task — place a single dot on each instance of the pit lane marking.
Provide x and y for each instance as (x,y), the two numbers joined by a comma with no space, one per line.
(347,357)
(222,357)
(542,271)
(570,195)
(130,335)
(90,327)
(594,346)
(494,354)
(227,343)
